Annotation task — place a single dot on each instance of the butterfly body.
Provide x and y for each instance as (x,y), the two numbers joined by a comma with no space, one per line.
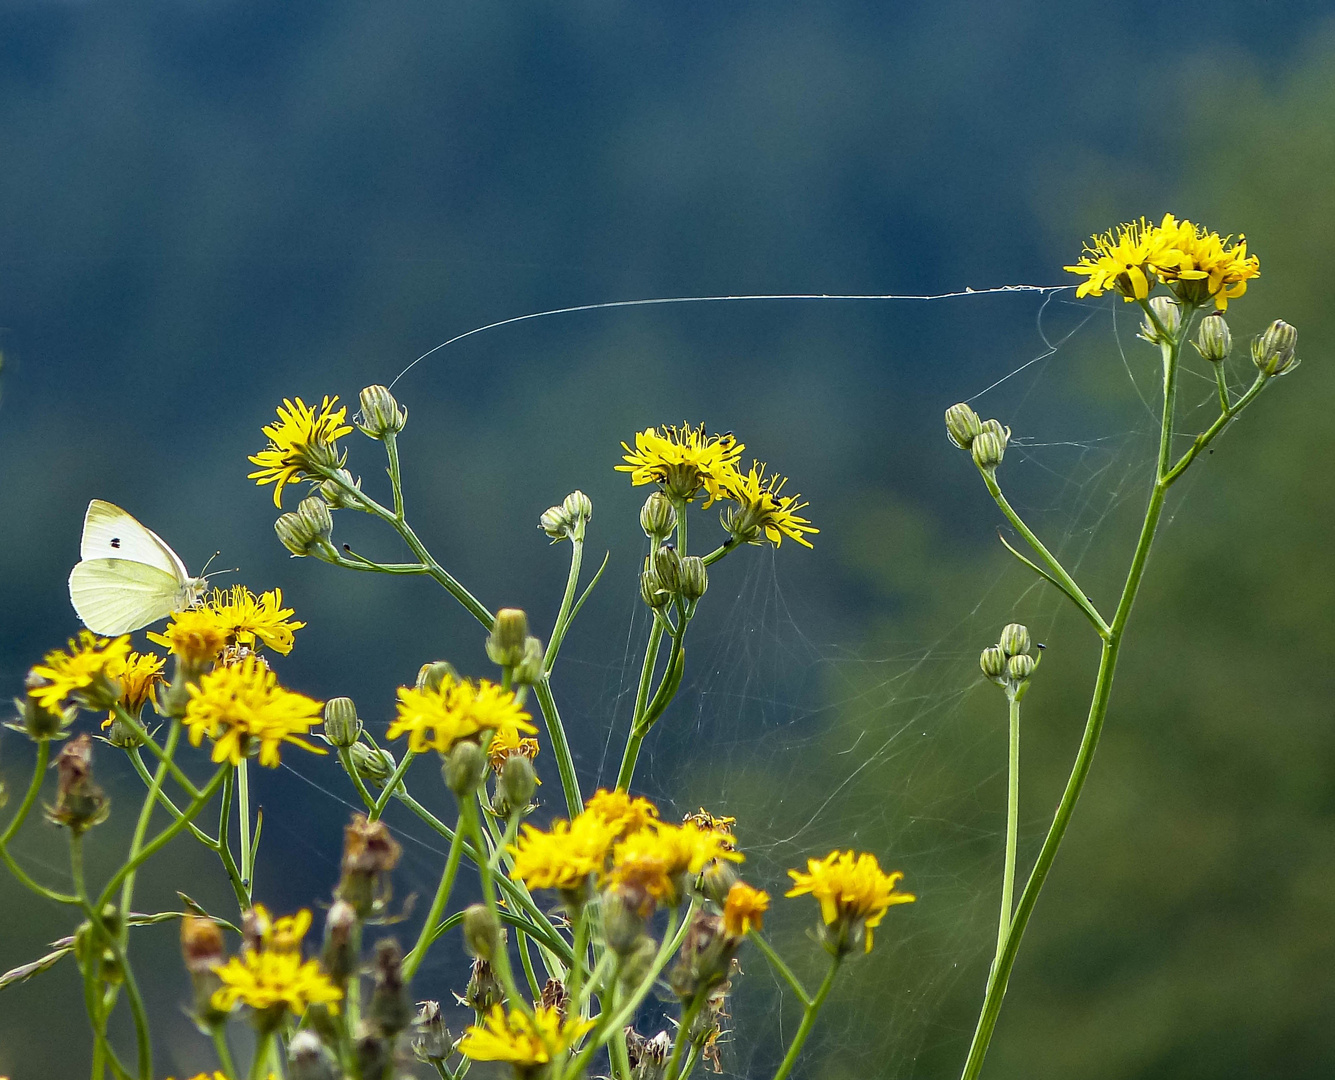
(127,576)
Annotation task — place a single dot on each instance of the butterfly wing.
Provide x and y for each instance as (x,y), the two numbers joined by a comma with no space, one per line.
(111,533)
(115,596)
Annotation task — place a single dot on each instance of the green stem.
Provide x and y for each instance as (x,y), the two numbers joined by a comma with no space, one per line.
(777,963)
(164,800)
(223,1051)
(243,817)
(390,785)
(688,1018)
(395,480)
(635,737)
(345,756)
(1012,825)
(808,1019)
(1221,380)
(225,845)
(261,1058)
(141,826)
(468,815)
(414,959)
(134,725)
(1208,435)
(567,600)
(20,815)
(723,549)
(565,761)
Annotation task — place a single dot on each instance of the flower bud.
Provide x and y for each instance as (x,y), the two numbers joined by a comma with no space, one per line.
(483,990)
(529,669)
(430,676)
(464,767)
(40,723)
(202,950)
(389,1010)
(369,854)
(658,517)
(515,784)
(505,644)
(667,567)
(431,1038)
(315,516)
(1169,314)
(339,958)
(80,803)
(307,1058)
(578,506)
(375,1055)
(1014,639)
(1273,351)
(335,492)
(962,425)
(637,962)
(341,726)
(987,450)
(121,735)
(381,415)
(307,531)
(717,878)
(569,518)
(1020,667)
(704,958)
(623,920)
(694,577)
(555,996)
(555,522)
(372,765)
(993,662)
(1213,340)
(482,933)
(652,591)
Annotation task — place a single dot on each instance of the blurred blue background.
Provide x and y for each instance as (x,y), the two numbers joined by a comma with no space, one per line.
(205,208)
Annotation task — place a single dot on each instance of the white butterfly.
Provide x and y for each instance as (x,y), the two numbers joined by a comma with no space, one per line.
(127,577)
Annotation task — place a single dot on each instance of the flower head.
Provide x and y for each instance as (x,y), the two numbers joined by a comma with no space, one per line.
(304,440)
(272,978)
(763,512)
(142,672)
(744,908)
(457,709)
(656,861)
(1123,259)
(625,813)
(1204,266)
(684,460)
(84,673)
(507,743)
(715,823)
(565,857)
(853,891)
(197,636)
(525,1042)
(242,704)
(248,618)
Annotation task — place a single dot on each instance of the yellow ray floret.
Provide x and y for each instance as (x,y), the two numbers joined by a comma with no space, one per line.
(274,976)
(457,709)
(1124,259)
(623,812)
(744,909)
(89,662)
(197,636)
(522,1040)
(241,705)
(684,460)
(248,618)
(564,857)
(1206,266)
(142,672)
(850,887)
(656,860)
(304,439)
(763,512)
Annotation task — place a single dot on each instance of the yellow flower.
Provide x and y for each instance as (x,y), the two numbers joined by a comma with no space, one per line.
(274,979)
(141,673)
(853,890)
(657,860)
(525,1042)
(242,704)
(506,744)
(1123,259)
(197,636)
(683,460)
(625,813)
(248,617)
(457,709)
(303,440)
(564,857)
(763,512)
(1205,267)
(715,823)
(85,672)
(744,908)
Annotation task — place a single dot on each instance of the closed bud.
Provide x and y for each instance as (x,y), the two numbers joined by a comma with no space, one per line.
(1213,340)
(578,506)
(667,567)
(993,662)
(307,1058)
(624,915)
(389,1011)
(301,533)
(717,879)
(963,425)
(372,765)
(431,676)
(694,577)
(431,1038)
(482,933)
(339,957)
(483,990)
(1014,639)
(80,803)
(515,784)
(315,516)
(122,735)
(40,723)
(505,644)
(336,493)
(341,725)
(652,591)
(987,450)
(555,522)
(704,958)
(381,415)
(464,767)
(375,1055)
(658,517)
(638,962)
(567,520)
(1169,314)
(1274,351)
(529,669)
(1019,668)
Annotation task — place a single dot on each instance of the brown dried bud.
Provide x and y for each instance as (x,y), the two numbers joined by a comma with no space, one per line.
(556,996)
(80,803)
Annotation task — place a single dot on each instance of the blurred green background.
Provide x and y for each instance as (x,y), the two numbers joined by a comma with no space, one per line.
(205,208)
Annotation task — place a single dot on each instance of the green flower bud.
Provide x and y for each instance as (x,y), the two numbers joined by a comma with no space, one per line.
(381,415)
(339,958)
(1213,340)
(121,735)
(39,723)
(578,506)
(1020,667)
(341,726)
(962,425)
(567,520)
(515,784)
(483,990)
(1169,314)
(307,1058)
(430,676)
(482,933)
(372,765)
(993,663)
(315,516)
(529,669)
(718,877)
(987,450)
(624,917)
(1273,351)
(652,591)
(389,1011)
(505,645)
(667,567)
(464,767)
(336,494)
(431,1038)
(694,577)
(1014,639)
(658,517)
(307,531)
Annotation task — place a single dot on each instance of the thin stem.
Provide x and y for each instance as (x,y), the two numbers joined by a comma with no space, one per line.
(1221,380)
(688,1018)
(223,1051)
(345,756)
(808,1019)
(137,761)
(567,600)
(1012,825)
(414,959)
(390,785)
(468,817)
(261,1058)
(635,737)
(225,844)
(777,963)
(132,722)
(723,549)
(1208,435)
(243,816)
(29,798)
(565,761)
(395,481)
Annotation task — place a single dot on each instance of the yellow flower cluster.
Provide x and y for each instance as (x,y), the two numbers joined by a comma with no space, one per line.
(686,462)
(90,665)
(744,909)
(457,709)
(273,978)
(242,704)
(853,891)
(232,618)
(522,1040)
(1196,264)
(142,673)
(303,440)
